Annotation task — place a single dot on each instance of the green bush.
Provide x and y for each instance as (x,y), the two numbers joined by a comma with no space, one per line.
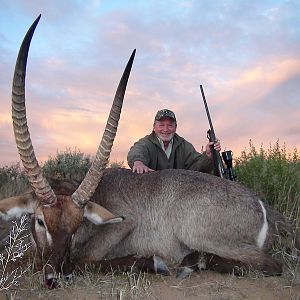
(117,164)
(70,164)
(12,180)
(274,174)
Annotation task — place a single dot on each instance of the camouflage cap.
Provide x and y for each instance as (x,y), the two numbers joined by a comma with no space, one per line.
(165,113)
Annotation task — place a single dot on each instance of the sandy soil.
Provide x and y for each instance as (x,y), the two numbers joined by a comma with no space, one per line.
(204,285)
(210,285)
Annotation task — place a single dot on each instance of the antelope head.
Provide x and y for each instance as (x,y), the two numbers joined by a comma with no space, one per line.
(55,218)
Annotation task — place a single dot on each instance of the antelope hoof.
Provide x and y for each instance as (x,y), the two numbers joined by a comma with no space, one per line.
(51,283)
(183,272)
(68,278)
(160,266)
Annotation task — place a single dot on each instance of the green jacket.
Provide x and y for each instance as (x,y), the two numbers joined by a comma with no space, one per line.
(183,155)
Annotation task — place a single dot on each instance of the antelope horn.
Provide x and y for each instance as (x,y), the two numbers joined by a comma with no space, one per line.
(22,136)
(88,186)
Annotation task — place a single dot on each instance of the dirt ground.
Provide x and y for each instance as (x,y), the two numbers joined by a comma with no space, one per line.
(211,285)
(204,285)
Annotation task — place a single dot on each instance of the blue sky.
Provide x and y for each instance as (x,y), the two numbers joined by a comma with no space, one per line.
(246,54)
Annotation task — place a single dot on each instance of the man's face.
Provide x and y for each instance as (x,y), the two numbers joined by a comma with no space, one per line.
(165,128)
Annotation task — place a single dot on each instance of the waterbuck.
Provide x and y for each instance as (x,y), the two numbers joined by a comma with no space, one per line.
(172,214)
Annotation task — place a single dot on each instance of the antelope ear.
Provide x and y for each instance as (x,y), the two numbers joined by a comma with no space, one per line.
(14,207)
(99,215)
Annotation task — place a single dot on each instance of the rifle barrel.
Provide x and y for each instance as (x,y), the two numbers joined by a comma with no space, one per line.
(207,112)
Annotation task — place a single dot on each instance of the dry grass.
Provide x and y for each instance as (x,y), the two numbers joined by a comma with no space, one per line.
(87,284)
(90,283)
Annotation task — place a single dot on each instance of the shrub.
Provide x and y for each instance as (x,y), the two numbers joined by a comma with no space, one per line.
(274,174)
(12,180)
(70,164)
(117,164)
(16,245)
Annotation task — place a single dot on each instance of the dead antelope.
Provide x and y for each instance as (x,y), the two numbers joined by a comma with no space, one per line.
(173,214)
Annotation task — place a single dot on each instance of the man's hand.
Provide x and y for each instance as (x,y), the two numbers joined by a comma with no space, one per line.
(216,145)
(140,168)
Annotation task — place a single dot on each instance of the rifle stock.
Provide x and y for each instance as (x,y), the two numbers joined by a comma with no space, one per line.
(218,164)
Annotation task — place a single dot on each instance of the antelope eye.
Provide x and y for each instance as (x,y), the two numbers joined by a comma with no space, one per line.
(40,222)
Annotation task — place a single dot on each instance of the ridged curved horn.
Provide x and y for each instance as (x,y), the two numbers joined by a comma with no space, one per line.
(22,136)
(87,188)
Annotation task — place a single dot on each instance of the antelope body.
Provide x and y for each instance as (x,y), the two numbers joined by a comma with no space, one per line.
(169,213)
(114,212)
(172,213)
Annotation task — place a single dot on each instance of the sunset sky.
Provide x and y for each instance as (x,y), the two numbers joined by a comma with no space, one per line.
(246,54)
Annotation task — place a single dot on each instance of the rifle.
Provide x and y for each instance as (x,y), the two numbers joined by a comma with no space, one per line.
(219,168)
